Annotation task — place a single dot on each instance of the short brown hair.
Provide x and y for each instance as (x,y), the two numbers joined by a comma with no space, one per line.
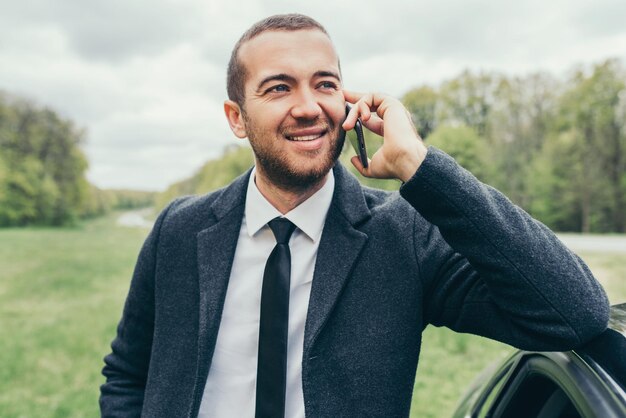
(236,74)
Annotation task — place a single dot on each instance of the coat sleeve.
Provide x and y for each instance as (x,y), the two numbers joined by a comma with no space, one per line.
(126,367)
(489,268)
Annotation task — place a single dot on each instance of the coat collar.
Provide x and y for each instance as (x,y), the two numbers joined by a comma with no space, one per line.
(348,196)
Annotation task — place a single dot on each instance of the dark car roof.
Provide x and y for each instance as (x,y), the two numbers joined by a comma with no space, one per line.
(607,352)
(604,357)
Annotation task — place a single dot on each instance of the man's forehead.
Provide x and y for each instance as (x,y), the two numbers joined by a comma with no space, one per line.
(281,48)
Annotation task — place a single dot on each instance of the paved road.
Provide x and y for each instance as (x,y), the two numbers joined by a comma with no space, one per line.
(595,243)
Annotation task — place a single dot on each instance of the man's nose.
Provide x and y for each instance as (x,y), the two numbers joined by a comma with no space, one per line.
(306,105)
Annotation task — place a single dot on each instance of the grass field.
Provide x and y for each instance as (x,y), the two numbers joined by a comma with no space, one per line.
(62,291)
(61,294)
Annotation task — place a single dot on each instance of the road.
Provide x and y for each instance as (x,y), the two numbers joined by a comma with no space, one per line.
(595,243)
(136,218)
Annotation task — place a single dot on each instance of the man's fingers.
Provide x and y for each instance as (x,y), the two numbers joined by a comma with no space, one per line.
(356,162)
(351,118)
(375,124)
(352,96)
(364,110)
(360,109)
(370,120)
(364,107)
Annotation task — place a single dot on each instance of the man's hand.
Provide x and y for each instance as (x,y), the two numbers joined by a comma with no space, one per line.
(402,151)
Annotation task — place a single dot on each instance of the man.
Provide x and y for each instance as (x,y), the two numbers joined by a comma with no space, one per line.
(369,269)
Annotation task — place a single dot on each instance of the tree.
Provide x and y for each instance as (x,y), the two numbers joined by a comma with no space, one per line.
(518,123)
(591,115)
(44,181)
(422,103)
(463,144)
(468,99)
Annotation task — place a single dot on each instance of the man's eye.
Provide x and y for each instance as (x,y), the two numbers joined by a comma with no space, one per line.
(279,88)
(328,85)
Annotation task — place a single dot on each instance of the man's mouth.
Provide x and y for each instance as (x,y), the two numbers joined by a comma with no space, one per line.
(305,134)
(310,137)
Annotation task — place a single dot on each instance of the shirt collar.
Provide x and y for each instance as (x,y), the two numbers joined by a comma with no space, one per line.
(309,216)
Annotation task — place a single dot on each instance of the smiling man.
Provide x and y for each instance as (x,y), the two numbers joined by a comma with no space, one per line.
(291,110)
(295,291)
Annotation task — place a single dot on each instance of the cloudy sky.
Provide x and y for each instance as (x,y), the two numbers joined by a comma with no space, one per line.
(146,78)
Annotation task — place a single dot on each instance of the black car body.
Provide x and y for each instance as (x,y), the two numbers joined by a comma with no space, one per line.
(587,382)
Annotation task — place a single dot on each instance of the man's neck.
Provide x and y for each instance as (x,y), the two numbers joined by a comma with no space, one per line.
(285,200)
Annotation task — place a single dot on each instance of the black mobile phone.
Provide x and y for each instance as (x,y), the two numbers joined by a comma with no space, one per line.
(358,143)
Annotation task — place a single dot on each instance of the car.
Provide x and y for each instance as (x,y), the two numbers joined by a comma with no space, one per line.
(586,382)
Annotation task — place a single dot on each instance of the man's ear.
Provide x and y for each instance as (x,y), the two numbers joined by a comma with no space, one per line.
(235,118)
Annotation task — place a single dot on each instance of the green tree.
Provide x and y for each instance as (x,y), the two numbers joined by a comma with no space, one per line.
(468,100)
(520,119)
(41,153)
(591,117)
(422,102)
(469,149)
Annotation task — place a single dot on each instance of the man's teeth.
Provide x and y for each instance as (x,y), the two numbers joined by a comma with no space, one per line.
(304,138)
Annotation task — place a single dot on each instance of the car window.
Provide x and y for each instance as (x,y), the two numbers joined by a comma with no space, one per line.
(537,396)
(556,384)
(558,405)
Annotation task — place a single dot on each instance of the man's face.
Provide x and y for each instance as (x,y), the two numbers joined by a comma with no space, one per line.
(294,106)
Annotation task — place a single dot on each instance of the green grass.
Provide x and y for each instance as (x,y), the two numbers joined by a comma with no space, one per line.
(61,295)
(610,269)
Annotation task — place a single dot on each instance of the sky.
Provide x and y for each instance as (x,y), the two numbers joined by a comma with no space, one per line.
(146,78)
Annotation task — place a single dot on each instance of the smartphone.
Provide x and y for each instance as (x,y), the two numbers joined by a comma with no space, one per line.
(358,143)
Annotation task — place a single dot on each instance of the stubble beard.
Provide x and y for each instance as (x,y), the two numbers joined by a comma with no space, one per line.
(286,174)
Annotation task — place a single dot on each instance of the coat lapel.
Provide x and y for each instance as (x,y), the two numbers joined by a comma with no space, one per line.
(340,246)
(216,250)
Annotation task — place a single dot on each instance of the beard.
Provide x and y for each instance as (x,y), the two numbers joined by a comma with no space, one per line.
(276,164)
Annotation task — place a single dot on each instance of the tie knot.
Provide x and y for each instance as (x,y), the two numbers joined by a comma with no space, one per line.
(282,229)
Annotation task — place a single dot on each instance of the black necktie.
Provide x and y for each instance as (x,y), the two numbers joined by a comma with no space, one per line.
(273,330)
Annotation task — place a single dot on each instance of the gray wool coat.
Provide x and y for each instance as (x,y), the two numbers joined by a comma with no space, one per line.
(446,250)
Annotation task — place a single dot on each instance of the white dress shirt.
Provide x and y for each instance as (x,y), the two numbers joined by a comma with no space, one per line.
(230,389)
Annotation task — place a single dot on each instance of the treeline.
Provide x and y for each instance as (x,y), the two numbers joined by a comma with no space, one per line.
(103,201)
(42,170)
(555,147)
